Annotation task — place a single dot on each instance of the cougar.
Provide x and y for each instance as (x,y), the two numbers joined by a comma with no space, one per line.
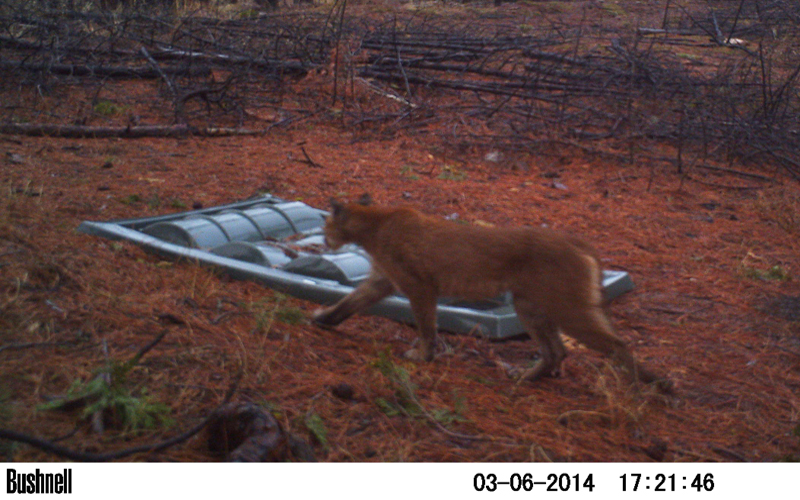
(555,280)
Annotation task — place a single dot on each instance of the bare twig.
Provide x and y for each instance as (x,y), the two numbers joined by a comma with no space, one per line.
(308,159)
(144,350)
(735,22)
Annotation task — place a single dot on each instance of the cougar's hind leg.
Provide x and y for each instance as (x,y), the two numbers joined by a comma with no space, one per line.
(551,349)
(371,291)
(591,327)
(552,353)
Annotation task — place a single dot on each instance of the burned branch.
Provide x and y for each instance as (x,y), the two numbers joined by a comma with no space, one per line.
(131,132)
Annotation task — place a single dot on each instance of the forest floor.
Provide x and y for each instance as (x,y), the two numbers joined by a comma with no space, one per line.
(713,255)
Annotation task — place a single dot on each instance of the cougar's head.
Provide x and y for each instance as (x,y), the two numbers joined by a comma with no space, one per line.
(340,226)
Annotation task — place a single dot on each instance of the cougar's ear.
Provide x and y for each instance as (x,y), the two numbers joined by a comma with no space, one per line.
(337,208)
(365,199)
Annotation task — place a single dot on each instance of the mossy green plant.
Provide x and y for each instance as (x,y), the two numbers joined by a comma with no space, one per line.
(614,9)
(109,394)
(406,401)
(107,108)
(271,309)
(451,173)
(773,273)
(130,199)
(316,426)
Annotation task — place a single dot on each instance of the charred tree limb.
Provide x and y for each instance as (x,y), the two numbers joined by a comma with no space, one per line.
(70,48)
(101,71)
(298,68)
(89,132)
(535,89)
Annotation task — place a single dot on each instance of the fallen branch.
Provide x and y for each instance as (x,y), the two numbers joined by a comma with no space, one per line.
(279,66)
(90,132)
(101,71)
(29,345)
(385,94)
(735,172)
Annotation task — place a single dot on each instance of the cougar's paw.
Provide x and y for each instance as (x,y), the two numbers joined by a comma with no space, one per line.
(320,317)
(538,370)
(511,371)
(418,355)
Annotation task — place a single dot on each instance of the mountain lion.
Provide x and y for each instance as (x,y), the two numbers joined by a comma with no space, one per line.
(555,279)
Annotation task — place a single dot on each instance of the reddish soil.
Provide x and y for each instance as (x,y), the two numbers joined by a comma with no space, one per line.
(713,256)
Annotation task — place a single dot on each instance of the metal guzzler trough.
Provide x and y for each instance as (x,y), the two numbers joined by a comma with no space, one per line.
(280,244)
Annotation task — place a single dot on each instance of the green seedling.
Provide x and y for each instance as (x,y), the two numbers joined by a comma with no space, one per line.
(109,395)
(176,203)
(450,173)
(110,398)
(271,309)
(107,108)
(316,426)
(405,400)
(774,273)
(131,199)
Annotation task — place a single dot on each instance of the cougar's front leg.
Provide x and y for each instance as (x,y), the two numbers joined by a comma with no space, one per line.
(424,308)
(371,291)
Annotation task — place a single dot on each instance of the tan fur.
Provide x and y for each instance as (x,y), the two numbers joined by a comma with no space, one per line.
(555,279)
